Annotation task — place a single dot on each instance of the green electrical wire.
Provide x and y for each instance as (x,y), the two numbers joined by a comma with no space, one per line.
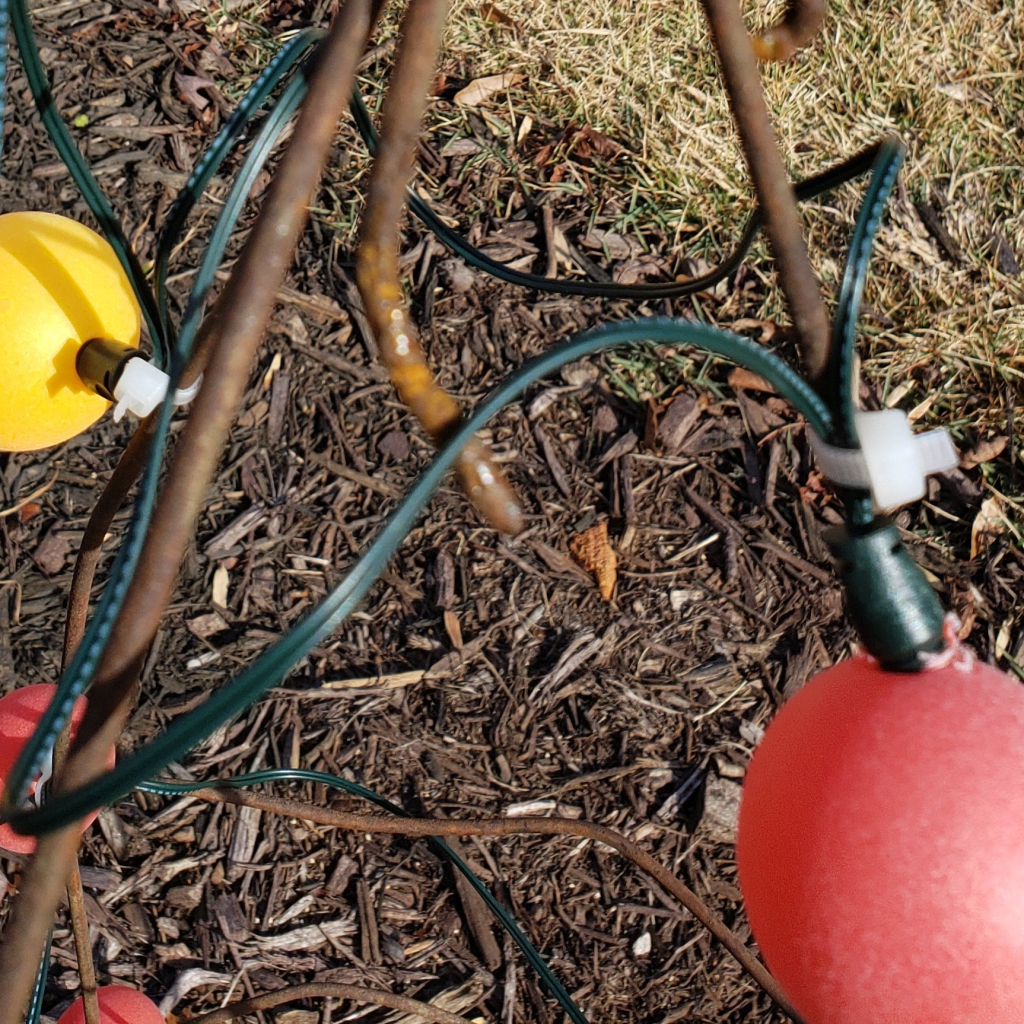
(272,666)
(79,672)
(507,922)
(828,416)
(78,676)
(839,385)
(5,20)
(87,184)
(826,181)
(258,93)
(838,389)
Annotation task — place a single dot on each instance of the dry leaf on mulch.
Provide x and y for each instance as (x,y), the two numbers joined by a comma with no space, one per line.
(593,552)
(988,523)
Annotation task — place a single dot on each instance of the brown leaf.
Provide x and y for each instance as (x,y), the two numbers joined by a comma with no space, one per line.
(29,511)
(592,551)
(614,245)
(766,327)
(453,628)
(189,85)
(984,451)
(481,89)
(988,523)
(678,419)
(492,14)
(588,142)
(636,270)
(52,552)
(740,377)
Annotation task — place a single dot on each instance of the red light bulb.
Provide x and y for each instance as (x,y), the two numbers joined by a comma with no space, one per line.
(118,1005)
(881,845)
(20,711)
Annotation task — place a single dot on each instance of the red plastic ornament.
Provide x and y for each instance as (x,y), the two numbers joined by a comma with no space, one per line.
(20,711)
(118,1005)
(881,845)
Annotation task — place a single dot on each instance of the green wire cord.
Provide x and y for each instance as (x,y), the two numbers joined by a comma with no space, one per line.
(258,93)
(80,671)
(533,956)
(827,414)
(838,387)
(5,20)
(840,383)
(87,184)
(826,181)
(272,666)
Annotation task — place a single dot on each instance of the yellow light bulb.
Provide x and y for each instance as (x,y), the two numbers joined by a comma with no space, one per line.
(60,285)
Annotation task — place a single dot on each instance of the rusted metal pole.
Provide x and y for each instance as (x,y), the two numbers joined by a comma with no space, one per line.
(378,275)
(771,182)
(244,308)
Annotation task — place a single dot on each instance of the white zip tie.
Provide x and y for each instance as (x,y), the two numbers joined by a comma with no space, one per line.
(141,388)
(892,461)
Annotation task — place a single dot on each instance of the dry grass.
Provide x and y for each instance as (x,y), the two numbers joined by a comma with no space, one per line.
(945,76)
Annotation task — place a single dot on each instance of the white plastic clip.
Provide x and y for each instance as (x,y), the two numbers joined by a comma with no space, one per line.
(142,386)
(892,462)
(44,778)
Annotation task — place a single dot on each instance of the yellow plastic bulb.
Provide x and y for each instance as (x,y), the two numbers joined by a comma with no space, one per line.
(60,286)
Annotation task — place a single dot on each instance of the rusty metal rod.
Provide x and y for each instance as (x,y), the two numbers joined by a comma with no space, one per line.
(329,990)
(245,307)
(517,826)
(771,183)
(799,25)
(378,274)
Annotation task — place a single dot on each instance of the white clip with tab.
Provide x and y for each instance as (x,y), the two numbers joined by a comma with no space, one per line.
(142,387)
(892,461)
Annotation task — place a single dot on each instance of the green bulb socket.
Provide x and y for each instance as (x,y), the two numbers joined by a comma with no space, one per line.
(896,612)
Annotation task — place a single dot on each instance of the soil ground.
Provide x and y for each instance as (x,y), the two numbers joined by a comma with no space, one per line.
(485,675)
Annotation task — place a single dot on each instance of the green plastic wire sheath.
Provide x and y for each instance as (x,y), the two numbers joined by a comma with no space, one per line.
(269,78)
(284,108)
(830,416)
(839,384)
(127,558)
(838,390)
(272,666)
(533,956)
(35,1006)
(830,179)
(91,192)
(82,667)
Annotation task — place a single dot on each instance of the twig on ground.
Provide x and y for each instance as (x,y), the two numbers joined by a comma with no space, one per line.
(326,990)
(771,182)
(83,946)
(378,275)
(516,826)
